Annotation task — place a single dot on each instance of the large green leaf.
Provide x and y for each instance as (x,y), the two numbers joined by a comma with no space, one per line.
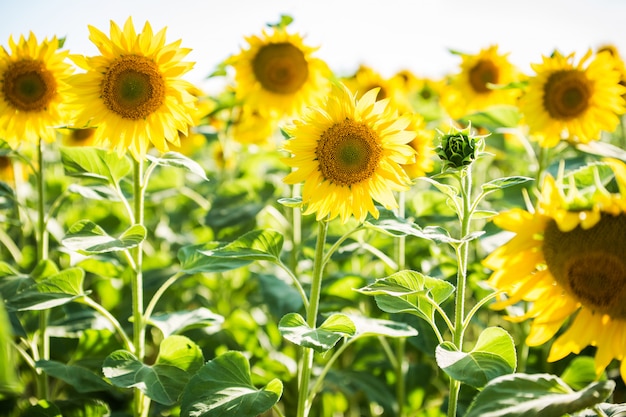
(181,352)
(88,238)
(223,387)
(162,383)
(178,160)
(406,292)
(368,326)
(494,117)
(88,162)
(580,372)
(501,183)
(53,291)
(523,395)
(294,328)
(492,356)
(257,245)
(179,321)
(82,379)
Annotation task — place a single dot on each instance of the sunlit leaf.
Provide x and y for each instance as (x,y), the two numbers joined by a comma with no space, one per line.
(162,383)
(54,291)
(94,192)
(180,321)
(501,183)
(494,117)
(223,387)
(10,384)
(294,328)
(178,160)
(181,352)
(89,162)
(580,372)
(492,356)
(87,238)
(380,327)
(523,395)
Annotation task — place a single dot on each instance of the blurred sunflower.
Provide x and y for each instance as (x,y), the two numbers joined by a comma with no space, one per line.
(7,173)
(252,128)
(78,137)
(366,78)
(423,145)
(349,152)
(571,101)
(568,258)
(472,89)
(133,92)
(32,90)
(277,75)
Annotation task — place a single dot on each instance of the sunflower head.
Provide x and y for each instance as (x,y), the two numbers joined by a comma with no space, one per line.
(423,145)
(573,101)
(132,93)
(278,75)
(568,260)
(473,88)
(32,89)
(348,153)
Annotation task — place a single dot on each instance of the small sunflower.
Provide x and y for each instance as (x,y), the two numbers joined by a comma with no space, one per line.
(252,128)
(349,152)
(32,90)
(472,89)
(277,75)
(568,259)
(571,101)
(366,78)
(133,92)
(78,137)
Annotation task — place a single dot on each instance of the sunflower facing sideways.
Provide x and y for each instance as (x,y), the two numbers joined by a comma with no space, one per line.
(132,93)
(277,75)
(475,87)
(32,90)
(348,153)
(567,258)
(564,100)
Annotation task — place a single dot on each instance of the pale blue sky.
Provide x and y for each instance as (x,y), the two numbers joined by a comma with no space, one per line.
(388,35)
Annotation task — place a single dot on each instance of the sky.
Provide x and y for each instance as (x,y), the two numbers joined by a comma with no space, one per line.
(388,35)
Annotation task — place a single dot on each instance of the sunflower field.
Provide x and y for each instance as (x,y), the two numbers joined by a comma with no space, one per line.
(309,243)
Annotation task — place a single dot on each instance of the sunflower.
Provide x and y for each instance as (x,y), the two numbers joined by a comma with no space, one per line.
(571,101)
(423,145)
(568,259)
(77,137)
(32,90)
(472,89)
(348,153)
(277,75)
(133,92)
(366,78)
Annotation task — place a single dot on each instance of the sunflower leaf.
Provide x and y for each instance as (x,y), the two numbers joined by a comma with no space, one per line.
(88,238)
(545,395)
(409,292)
(178,160)
(294,328)
(501,183)
(53,291)
(94,163)
(493,356)
(223,386)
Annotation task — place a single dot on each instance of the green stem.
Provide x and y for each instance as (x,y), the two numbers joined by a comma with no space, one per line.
(327,367)
(401,364)
(304,403)
(42,255)
(462,252)
(296,231)
(107,315)
(142,403)
(159,293)
(599,411)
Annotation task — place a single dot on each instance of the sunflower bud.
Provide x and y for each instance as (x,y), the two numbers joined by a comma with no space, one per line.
(459,148)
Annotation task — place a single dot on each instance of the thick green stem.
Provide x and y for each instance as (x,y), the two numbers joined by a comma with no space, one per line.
(401,364)
(462,252)
(306,366)
(42,255)
(142,403)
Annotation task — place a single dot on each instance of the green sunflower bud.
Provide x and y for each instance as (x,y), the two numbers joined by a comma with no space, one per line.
(459,148)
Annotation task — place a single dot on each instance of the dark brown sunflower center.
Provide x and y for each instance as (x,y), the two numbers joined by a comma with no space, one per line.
(348,153)
(591,264)
(5,162)
(566,94)
(483,73)
(28,85)
(82,135)
(280,68)
(133,87)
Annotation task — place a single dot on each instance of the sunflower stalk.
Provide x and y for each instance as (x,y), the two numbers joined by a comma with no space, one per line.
(306,365)
(142,402)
